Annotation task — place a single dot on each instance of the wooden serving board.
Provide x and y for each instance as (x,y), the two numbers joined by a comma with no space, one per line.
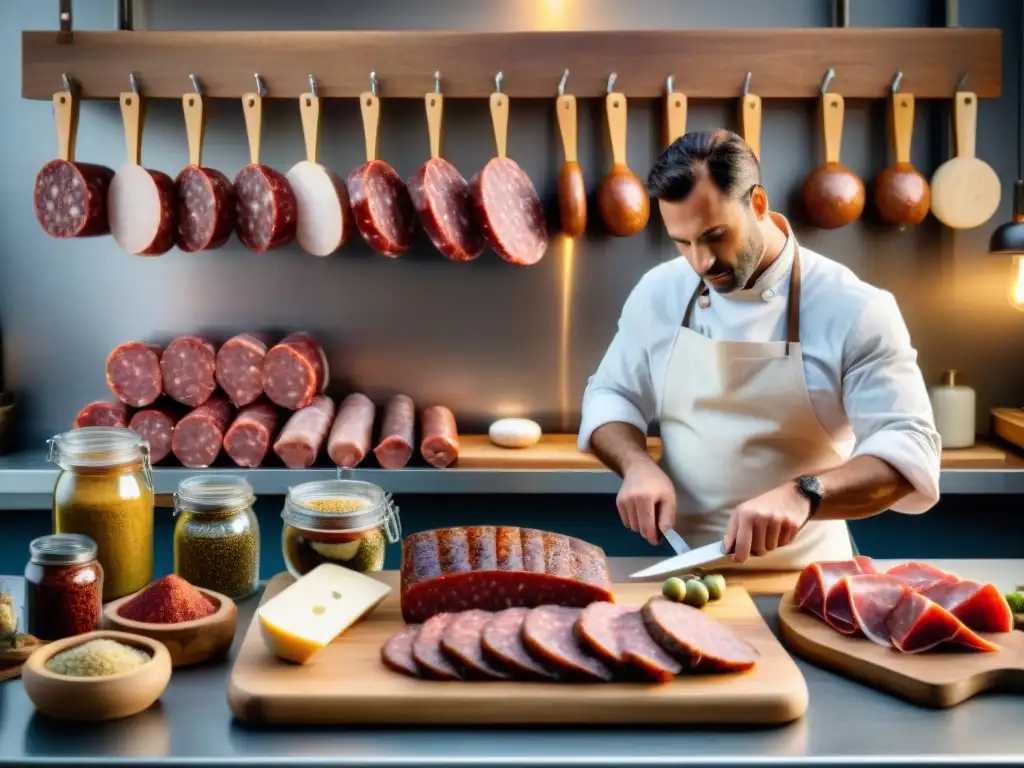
(1008,423)
(932,678)
(347,683)
(552,452)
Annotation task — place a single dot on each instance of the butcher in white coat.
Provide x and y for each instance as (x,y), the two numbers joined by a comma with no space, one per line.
(787,390)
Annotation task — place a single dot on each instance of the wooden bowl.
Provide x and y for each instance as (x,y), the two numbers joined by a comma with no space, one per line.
(188,642)
(28,646)
(96,698)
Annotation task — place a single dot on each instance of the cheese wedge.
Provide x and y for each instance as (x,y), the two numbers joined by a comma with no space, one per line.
(307,616)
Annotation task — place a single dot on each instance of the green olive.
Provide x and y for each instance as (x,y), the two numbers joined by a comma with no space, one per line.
(674,589)
(715,582)
(1016,601)
(696,593)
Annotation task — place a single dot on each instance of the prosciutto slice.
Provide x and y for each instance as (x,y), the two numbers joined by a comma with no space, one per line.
(981,607)
(918,624)
(872,598)
(920,576)
(817,580)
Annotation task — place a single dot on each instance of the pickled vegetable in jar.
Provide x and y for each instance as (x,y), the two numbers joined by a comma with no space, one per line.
(105,491)
(63,587)
(217,535)
(345,522)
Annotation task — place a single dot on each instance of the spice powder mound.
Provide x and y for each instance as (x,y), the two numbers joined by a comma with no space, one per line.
(171,600)
(98,658)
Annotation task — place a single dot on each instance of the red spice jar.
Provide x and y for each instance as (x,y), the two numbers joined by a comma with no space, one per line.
(64,586)
(170,600)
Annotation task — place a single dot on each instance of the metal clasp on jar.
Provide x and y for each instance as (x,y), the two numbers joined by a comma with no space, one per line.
(392,522)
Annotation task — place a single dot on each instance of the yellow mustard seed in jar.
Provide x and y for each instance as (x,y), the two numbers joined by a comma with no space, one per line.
(335,505)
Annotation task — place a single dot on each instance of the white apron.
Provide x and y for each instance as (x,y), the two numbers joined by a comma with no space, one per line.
(736,421)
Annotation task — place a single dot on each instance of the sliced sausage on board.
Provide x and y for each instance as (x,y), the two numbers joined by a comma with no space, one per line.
(502,642)
(134,375)
(460,642)
(397,651)
(696,639)
(303,435)
(102,413)
(251,433)
(440,444)
(397,430)
(198,437)
(352,432)
(549,634)
(239,370)
(596,628)
(188,365)
(641,652)
(426,649)
(295,370)
(156,426)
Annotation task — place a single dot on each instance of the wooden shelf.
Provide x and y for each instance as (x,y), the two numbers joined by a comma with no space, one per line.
(784,63)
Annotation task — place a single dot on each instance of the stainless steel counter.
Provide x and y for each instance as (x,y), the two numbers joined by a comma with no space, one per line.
(847,723)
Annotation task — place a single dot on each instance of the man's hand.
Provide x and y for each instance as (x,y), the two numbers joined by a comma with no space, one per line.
(647,501)
(766,522)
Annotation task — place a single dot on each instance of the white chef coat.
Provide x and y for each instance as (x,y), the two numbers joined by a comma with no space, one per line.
(863,381)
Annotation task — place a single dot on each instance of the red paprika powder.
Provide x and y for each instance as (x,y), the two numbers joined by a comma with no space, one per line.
(170,600)
(63,586)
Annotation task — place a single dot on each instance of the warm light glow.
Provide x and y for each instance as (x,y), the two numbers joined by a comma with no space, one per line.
(1017,283)
(553,15)
(568,253)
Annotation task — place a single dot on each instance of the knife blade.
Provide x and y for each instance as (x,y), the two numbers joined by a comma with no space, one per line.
(691,559)
(676,541)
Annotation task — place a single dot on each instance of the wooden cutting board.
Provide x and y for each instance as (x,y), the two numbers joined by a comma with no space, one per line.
(1008,423)
(347,683)
(552,452)
(931,678)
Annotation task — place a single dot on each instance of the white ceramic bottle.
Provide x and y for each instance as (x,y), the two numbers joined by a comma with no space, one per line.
(953,405)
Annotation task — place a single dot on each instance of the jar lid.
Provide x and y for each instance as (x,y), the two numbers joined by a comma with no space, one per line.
(97,447)
(62,549)
(207,494)
(341,505)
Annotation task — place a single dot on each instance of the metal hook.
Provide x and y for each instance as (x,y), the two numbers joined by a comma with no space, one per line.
(896,82)
(611,81)
(69,83)
(260,89)
(670,84)
(195,85)
(961,82)
(825,81)
(497,81)
(312,87)
(437,81)
(373,83)
(746,85)
(562,81)
(134,82)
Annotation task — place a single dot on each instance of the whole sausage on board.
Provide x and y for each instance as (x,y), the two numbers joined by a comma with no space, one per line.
(440,444)
(507,205)
(70,198)
(206,199)
(397,430)
(239,370)
(352,432)
(155,424)
(441,195)
(134,375)
(141,203)
(295,370)
(303,435)
(265,204)
(198,437)
(188,365)
(251,433)
(102,413)
(381,205)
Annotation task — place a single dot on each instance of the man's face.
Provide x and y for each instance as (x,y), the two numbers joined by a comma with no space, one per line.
(718,235)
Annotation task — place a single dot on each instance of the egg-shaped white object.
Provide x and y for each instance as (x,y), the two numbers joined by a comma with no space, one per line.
(514,433)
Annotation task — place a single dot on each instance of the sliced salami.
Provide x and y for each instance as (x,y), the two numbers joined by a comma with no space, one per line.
(156,426)
(696,639)
(251,433)
(509,212)
(133,373)
(324,215)
(206,209)
(266,211)
(549,634)
(102,413)
(641,652)
(426,649)
(460,642)
(352,432)
(239,369)
(142,210)
(440,195)
(397,651)
(295,371)
(188,366)
(397,430)
(71,199)
(596,629)
(198,437)
(382,208)
(440,444)
(303,435)
(502,642)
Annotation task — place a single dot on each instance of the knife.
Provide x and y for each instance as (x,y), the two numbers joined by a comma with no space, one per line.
(690,559)
(676,541)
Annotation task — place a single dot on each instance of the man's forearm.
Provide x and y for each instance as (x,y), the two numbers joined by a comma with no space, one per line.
(619,446)
(862,487)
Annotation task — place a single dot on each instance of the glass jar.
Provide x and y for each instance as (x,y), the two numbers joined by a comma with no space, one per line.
(345,522)
(105,491)
(63,587)
(217,536)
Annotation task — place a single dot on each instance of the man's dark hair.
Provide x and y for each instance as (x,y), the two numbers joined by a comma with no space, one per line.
(729,161)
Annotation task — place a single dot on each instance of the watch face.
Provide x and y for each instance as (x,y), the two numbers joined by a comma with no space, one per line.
(811,487)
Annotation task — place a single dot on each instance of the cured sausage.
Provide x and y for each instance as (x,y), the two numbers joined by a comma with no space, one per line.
(696,639)
(382,208)
(426,649)
(440,195)
(206,209)
(440,445)
(549,634)
(188,366)
(394,449)
(641,652)
(198,437)
(71,198)
(156,426)
(324,215)
(295,371)
(502,641)
(597,630)
(249,437)
(397,651)
(304,433)
(133,373)
(142,210)
(352,432)
(266,211)
(509,212)
(492,568)
(460,642)
(102,413)
(239,369)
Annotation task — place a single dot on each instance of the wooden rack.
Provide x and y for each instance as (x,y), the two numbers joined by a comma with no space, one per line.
(784,63)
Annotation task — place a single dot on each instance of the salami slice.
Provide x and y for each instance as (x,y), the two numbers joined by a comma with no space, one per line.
(440,195)
(188,366)
(509,212)
(142,209)
(102,413)
(239,369)
(324,216)
(460,642)
(295,371)
(596,629)
(502,642)
(198,437)
(249,437)
(641,652)
(426,649)
(549,634)
(440,445)
(397,651)
(266,211)
(304,433)
(156,426)
(352,432)
(382,208)
(206,209)
(71,199)
(133,373)
(696,639)
(396,433)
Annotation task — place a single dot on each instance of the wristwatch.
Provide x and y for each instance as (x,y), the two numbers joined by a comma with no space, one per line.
(813,489)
